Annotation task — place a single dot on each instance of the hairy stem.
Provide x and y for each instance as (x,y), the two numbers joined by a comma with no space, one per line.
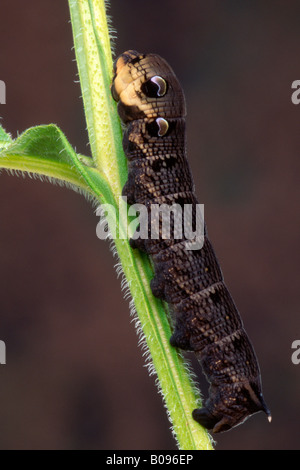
(91,39)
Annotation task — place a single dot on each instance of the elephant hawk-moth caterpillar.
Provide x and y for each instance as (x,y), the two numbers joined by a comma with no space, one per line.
(151,104)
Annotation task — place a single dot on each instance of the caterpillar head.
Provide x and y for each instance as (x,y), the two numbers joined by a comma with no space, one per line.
(145,86)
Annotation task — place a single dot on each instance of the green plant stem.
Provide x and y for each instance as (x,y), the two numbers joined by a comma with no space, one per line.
(94,61)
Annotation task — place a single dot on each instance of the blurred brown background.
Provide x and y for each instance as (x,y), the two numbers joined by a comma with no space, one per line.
(74,377)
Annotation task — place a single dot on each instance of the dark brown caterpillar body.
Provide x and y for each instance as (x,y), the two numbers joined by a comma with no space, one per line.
(152,104)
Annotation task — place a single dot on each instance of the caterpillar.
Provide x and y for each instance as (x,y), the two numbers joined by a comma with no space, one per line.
(152,106)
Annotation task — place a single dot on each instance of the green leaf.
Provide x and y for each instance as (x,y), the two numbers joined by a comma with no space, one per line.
(45,151)
(5,139)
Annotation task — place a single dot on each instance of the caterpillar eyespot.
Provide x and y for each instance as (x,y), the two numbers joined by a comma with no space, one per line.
(158,128)
(152,104)
(154,87)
